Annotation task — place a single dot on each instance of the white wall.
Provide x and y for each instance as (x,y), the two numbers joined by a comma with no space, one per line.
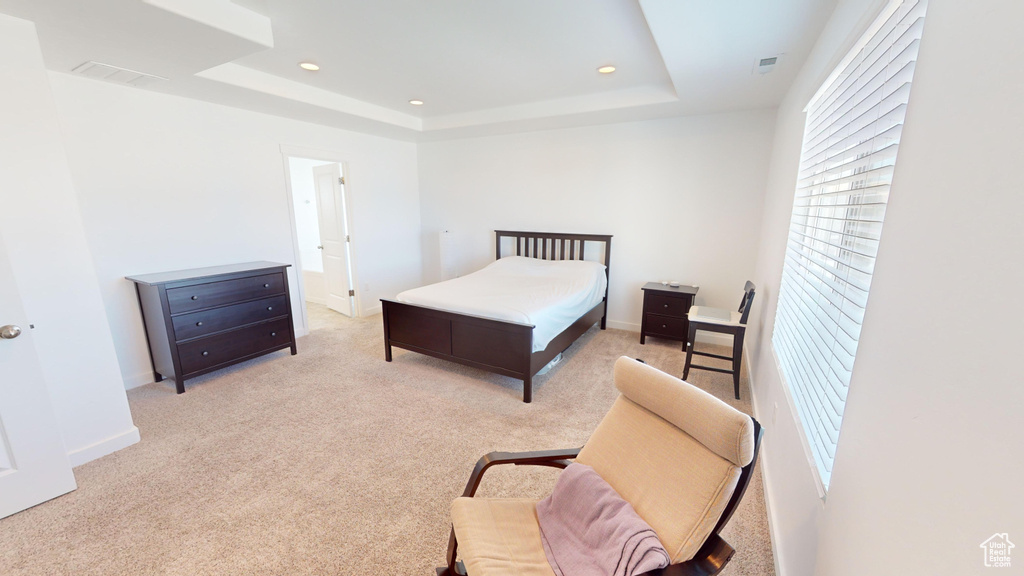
(307,224)
(681,196)
(51,261)
(930,454)
(169,183)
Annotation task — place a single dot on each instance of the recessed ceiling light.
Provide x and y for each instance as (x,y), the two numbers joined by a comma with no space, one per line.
(416,102)
(606,69)
(309,66)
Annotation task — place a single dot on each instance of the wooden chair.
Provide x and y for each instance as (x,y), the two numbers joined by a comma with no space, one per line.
(681,457)
(725,322)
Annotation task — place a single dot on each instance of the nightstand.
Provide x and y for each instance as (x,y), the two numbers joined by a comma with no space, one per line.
(665,311)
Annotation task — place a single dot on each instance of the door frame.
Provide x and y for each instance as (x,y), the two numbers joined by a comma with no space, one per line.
(288,151)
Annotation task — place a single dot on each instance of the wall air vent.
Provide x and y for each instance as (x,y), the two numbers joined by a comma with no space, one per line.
(115,74)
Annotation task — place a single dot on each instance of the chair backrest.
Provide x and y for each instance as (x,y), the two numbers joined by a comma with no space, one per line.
(746,301)
(679,455)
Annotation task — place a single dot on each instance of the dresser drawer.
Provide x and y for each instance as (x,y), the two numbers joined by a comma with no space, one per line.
(668,326)
(229,346)
(217,319)
(188,298)
(666,305)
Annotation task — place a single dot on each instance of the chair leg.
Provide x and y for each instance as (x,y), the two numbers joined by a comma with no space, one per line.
(690,337)
(453,567)
(737,357)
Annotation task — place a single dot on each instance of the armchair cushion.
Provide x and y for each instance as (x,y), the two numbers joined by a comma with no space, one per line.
(499,536)
(672,451)
(721,428)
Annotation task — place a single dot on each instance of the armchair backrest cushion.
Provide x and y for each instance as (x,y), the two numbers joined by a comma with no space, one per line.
(671,450)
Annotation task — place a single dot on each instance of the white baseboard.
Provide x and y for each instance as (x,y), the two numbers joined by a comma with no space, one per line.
(315,300)
(378,309)
(765,479)
(706,337)
(631,327)
(136,380)
(772,522)
(104,447)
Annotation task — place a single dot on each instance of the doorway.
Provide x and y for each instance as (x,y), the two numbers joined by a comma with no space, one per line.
(323,239)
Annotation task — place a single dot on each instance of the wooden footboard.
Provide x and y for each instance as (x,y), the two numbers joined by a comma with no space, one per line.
(493,345)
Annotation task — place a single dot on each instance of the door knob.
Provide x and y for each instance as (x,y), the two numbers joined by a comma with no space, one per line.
(10,332)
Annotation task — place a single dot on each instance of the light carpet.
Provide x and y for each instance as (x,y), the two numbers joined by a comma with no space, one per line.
(332,461)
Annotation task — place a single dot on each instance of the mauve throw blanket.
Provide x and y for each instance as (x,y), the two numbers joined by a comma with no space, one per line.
(589,530)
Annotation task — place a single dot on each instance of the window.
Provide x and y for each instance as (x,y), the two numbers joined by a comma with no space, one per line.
(846,165)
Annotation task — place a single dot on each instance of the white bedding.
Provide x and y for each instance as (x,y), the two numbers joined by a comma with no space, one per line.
(550,294)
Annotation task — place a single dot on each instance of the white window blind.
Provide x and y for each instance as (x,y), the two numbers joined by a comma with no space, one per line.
(846,165)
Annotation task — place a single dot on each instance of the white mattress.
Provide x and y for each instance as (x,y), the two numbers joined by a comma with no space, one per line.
(549,294)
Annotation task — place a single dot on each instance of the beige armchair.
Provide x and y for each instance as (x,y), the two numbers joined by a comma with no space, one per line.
(681,457)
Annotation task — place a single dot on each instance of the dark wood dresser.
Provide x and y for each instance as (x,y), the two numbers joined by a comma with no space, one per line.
(205,319)
(665,311)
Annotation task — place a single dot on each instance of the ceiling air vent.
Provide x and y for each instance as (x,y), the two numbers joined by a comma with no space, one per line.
(766,65)
(115,74)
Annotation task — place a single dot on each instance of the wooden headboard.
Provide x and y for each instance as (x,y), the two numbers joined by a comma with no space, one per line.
(552,245)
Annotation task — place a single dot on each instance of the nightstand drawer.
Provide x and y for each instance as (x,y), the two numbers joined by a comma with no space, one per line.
(666,305)
(658,325)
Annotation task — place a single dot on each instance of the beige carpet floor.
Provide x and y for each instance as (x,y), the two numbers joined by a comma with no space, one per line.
(330,462)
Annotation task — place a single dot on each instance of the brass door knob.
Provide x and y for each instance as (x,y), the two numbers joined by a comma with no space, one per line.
(10,332)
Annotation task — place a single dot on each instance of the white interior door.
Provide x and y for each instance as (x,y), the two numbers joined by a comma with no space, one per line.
(34,466)
(330,196)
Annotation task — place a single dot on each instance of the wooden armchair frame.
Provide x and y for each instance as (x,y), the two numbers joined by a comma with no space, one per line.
(709,560)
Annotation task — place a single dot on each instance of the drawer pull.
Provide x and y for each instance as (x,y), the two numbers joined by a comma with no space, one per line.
(199,323)
(270,307)
(266,285)
(664,326)
(195,297)
(273,333)
(666,305)
(205,353)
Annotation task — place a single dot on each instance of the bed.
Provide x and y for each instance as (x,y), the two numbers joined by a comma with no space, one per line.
(472,335)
